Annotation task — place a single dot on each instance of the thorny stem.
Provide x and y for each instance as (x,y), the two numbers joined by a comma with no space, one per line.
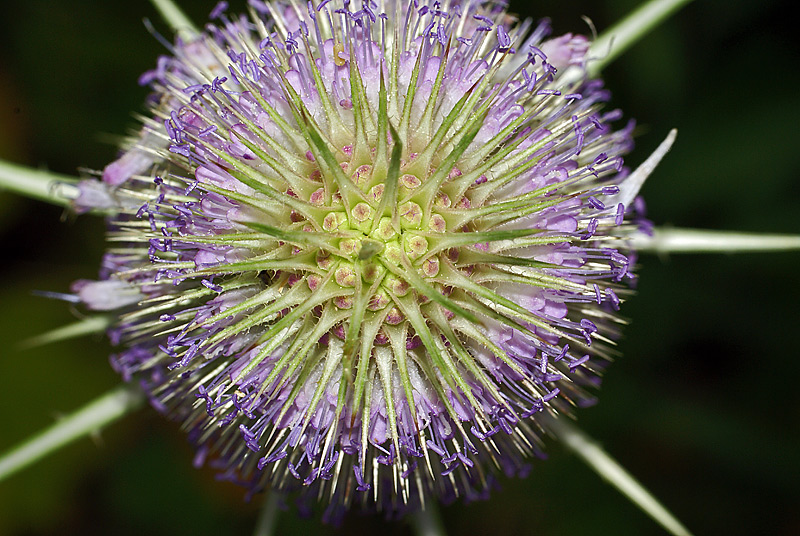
(426,522)
(87,420)
(60,190)
(588,450)
(38,184)
(176,18)
(666,240)
(268,518)
(620,37)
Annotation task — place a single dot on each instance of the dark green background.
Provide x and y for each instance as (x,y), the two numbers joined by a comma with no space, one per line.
(703,407)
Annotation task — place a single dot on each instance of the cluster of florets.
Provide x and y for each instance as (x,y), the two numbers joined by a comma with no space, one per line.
(359,250)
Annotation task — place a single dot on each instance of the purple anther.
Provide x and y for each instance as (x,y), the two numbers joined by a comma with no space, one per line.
(620,215)
(596,203)
(362,485)
(450,459)
(411,451)
(427,31)
(218,10)
(233,74)
(503,39)
(620,272)
(441,35)
(272,458)
(436,448)
(578,134)
(449,469)
(293,471)
(291,44)
(173,133)
(483,437)
(551,395)
(412,466)
(535,408)
(465,460)
(182,150)
(247,434)
(237,403)
(505,425)
(211,286)
(613,297)
(167,351)
(369,12)
(203,393)
(578,362)
(156,244)
(534,53)
(610,190)
(597,294)
(328,466)
(216,85)
(590,229)
(189,189)
(311,477)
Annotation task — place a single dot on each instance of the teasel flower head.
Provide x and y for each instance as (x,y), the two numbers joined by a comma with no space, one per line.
(359,249)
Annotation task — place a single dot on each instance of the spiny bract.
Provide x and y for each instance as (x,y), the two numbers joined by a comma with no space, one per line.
(359,250)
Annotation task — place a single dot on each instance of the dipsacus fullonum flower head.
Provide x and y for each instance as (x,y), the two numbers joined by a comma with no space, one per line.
(359,249)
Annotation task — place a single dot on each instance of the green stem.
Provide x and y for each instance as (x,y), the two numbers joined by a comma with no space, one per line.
(426,522)
(620,37)
(588,450)
(268,518)
(666,241)
(83,422)
(176,18)
(38,184)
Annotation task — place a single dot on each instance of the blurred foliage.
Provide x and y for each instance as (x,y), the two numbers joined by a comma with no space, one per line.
(703,406)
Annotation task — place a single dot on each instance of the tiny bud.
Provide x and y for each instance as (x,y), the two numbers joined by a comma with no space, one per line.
(410,214)
(335,221)
(345,276)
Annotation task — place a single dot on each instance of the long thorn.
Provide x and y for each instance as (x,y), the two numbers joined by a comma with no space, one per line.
(87,326)
(620,37)
(83,422)
(38,184)
(666,241)
(588,450)
(631,186)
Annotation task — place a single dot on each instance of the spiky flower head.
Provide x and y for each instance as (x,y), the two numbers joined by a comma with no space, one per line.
(360,249)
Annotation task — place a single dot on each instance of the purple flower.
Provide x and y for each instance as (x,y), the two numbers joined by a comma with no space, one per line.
(361,255)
